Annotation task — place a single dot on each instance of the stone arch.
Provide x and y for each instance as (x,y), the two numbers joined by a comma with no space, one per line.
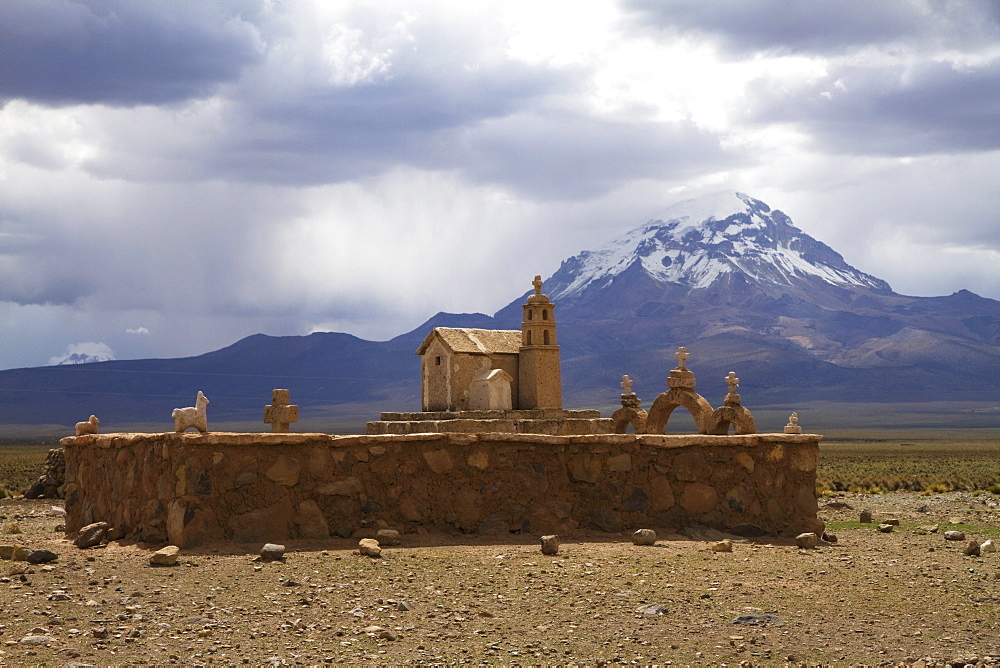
(737,416)
(629,415)
(664,405)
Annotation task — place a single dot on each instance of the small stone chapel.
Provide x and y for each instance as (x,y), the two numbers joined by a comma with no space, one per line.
(464,369)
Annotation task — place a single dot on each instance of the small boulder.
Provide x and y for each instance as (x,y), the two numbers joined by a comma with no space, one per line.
(91,535)
(885,528)
(972,548)
(866,517)
(954,535)
(41,557)
(272,552)
(830,537)
(387,537)
(37,640)
(928,528)
(7,551)
(165,556)
(747,530)
(550,545)
(807,541)
(369,547)
(988,546)
(21,553)
(893,522)
(724,545)
(644,537)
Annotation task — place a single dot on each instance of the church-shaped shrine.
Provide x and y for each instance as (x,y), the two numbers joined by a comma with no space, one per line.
(459,366)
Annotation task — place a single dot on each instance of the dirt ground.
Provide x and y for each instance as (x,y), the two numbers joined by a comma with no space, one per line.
(898,598)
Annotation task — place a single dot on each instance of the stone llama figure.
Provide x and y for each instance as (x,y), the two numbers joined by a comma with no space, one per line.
(193,416)
(88,427)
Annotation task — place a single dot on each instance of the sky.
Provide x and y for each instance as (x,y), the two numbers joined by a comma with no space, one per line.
(178,174)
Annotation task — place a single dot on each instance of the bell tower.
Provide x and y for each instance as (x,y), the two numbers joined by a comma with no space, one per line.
(539,381)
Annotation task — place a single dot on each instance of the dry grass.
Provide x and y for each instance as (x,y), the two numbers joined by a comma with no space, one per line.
(20,466)
(915,462)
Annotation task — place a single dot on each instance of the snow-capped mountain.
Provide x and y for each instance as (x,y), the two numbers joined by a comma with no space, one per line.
(697,242)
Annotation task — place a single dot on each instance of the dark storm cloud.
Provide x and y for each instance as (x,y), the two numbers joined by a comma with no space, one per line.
(822,26)
(120,52)
(926,108)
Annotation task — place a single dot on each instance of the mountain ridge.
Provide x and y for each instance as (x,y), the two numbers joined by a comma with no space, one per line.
(728,277)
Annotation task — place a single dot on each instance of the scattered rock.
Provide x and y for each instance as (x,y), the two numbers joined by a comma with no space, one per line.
(115,533)
(701,532)
(7,551)
(757,620)
(21,553)
(550,545)
(387,537)
(652,609)
(988,546)
(37,640)
(830,537)
(165,556)
(41,557)
(12,528)
(837,505)
(928,528)
(369,547)
(972,548)
(404,606)
(724,545)
(272,552)
(893,522)
(866,517)
(954,535)
(91,535)
(807,541)
(885,528)
(57,511)
(644,537)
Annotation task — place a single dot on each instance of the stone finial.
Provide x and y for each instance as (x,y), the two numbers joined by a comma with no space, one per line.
(538,284)
(193,416)
(732,398)
(629,398)
(793,424)
(681,377)
(626,384)
(88,427)
(279,414)
(537,297)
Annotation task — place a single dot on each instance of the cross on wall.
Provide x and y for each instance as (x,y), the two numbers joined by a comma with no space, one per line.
(279,414)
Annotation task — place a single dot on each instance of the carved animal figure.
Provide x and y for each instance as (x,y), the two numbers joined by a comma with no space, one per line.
(193,416)
(88,427)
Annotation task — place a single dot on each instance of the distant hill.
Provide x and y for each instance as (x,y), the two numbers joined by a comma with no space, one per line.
(726,276)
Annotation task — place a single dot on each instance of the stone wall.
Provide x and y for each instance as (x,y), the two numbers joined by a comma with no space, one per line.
(191,488)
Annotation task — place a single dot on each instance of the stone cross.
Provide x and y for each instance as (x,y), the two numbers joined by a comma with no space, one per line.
(682,355)
(538,284)
(280,414)
(627,384)
(733,382)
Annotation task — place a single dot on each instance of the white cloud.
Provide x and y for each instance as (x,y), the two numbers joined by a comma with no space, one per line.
(137,330)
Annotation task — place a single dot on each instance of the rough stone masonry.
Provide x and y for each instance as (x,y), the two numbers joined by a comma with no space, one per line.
(191,488)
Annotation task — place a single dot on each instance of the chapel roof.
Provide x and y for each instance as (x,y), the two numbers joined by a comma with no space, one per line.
(475,341)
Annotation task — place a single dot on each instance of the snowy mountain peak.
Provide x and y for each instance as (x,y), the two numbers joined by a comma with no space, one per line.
(700,241)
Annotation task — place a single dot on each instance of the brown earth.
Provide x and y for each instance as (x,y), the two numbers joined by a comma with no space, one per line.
(873,598)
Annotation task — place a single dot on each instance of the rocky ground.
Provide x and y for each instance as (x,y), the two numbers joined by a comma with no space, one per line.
(905,597)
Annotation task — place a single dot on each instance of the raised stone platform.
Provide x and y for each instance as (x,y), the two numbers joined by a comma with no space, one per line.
(550,421)
(191,488)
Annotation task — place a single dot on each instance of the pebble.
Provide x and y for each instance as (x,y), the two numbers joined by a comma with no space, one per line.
(21,553)
(988,546)
(652,609)
(41,557)
(37,640)
(972,548)
(929,528)
(165,556)
(404,606)
(807,541)
(954,535)
(885,528)
(644,537)
(724,545)
(91,535)
(272,552)
(550,545)
(369,547)
(894,523)
(830,537)
(387,537)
